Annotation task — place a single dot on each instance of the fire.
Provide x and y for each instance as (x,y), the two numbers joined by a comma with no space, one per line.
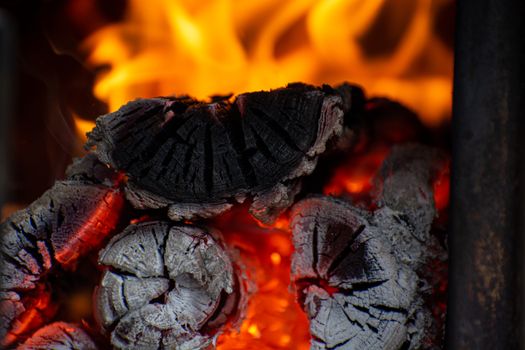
(275,258)
(355,176)
(274,320)
(203,48)
(254,331)
(82,126)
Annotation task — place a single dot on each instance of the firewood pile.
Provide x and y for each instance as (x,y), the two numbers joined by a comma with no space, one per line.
(140,207)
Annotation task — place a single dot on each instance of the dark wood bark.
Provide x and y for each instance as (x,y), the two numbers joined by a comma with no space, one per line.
(198,158)
(358,272)
(70,219)
(59,336)
(167,286)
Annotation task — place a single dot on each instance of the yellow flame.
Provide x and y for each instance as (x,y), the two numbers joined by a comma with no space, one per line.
(83,127)
(165,47)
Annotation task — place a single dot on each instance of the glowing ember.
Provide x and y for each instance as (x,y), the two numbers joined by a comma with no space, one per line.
(274,319)
(39,309)
(275,258)
(102,221)
(354,177)
(165,47)
(442,188)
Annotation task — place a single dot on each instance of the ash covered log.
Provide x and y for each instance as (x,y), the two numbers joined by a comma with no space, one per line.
(357,272)
(59,336)
(198,158)
(167,286)
(70,219)
(404,184)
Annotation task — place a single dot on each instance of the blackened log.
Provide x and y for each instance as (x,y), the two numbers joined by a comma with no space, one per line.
(356,291)
(59,336)
(357,272)
(196,158)
(353,98)
(164,286)
(69,220)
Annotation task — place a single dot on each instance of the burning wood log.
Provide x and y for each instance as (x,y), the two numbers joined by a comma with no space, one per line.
(70,219)
(357,272)
(59,336)
(361,273)
(167,286)
(197,158)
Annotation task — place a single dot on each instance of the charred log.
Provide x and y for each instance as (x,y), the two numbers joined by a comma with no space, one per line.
(198,158)
(357,272)
(361,274)
(404,184)
(166,286)
(59,336)
(70,219)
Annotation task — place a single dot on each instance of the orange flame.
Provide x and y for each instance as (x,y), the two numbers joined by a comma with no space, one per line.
(82,126)
(211,47)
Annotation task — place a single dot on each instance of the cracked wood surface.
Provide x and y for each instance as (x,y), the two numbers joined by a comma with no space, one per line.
(198,158)
(167,286)
(70,219)
(356,271)
(59,336)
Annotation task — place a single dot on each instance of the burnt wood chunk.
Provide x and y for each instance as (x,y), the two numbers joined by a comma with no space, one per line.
(23,311)
(165,287)
(67,221)
(59,336)
(197,158)
(358,273)
(404,184)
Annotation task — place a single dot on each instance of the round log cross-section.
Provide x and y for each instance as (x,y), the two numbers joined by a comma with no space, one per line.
(166,287)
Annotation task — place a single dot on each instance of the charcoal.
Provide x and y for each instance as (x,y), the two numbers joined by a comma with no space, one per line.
(358,272)
(362,271)
(198,158)
(404,184)
(65,223)
(59,336)
(164,285)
